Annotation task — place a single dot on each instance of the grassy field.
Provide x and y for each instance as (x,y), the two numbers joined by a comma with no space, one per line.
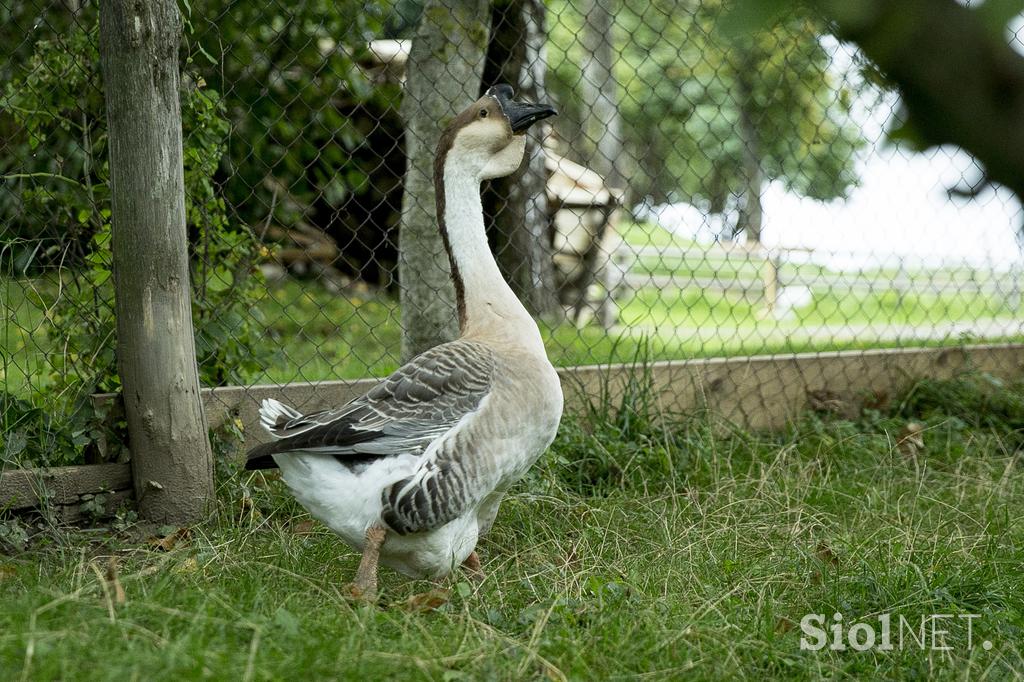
(633,551)
(302,331)
(314,334)
(832,303)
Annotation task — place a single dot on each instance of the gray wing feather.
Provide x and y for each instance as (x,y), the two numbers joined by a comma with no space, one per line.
(417,404)
(420,403)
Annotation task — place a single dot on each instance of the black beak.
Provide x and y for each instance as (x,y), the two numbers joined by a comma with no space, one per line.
(520,115)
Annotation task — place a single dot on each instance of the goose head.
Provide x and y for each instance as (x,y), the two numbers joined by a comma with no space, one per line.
(488,138)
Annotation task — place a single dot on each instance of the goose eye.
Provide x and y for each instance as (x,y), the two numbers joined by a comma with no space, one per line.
(483,113)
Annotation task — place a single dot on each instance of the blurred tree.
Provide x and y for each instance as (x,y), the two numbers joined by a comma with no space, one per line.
(960,81)
(751,215)
(599,89)
(442,75)
(517,205)
(707,119)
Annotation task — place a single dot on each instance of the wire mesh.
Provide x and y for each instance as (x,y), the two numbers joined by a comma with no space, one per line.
(698,195)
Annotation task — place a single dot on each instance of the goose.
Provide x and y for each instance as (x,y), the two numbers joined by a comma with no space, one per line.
(411,474)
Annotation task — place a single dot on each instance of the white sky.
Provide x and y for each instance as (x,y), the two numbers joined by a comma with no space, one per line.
(899,211)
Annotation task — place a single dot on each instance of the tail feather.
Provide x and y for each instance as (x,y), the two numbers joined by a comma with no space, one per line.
(262,456)
(275,414)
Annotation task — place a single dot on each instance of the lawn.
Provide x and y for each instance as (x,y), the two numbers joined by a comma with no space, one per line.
(314,334)
(686,549)
(305,332)
(856,296)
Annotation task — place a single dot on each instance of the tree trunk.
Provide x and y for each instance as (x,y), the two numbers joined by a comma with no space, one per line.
(442,78)
(602,124)
(172,464)
(517,205)
(751,217)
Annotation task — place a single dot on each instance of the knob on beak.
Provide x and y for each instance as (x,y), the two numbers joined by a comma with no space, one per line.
(520,115)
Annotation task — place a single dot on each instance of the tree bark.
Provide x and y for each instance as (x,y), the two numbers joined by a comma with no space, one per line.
(442,78)
(517,205)
(172,463)
(602,126)
(602,123)
(751,215)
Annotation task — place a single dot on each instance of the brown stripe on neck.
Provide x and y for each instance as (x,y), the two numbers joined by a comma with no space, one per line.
(445,143)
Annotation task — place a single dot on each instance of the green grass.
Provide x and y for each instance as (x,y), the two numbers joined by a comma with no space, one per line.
(687,550)
(690,306)
(314,334)
(22,344)
(889,307)
(650,234)
(319,335)
(716,311)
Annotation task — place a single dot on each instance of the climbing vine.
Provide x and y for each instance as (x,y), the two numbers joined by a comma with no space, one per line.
(56,100)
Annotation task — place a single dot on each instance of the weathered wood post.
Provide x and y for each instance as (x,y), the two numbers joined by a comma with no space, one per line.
(172,464)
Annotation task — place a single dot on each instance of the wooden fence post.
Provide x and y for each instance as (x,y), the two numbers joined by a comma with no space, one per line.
(172,463)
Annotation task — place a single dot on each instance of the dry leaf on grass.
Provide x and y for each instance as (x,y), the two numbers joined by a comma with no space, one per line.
(825,553)
(114,581)
(428,601)
(171,540)
(783,625)
(826,401)
(910,439)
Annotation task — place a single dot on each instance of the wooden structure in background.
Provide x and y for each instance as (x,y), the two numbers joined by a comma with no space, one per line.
(583,210)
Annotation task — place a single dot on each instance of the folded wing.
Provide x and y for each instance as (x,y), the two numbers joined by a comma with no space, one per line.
(405,413)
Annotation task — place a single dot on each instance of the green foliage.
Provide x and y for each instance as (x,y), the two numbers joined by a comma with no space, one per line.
(13,535)
(56,104)
(297,103)
(977,399)
(35,436)
(51,109)
(681,100)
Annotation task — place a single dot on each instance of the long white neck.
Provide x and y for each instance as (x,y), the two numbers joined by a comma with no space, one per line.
(491,307)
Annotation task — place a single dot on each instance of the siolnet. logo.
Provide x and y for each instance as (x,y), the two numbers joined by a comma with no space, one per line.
(935,632)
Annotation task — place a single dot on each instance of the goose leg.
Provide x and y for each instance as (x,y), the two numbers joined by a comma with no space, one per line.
(365,584)
(473,567)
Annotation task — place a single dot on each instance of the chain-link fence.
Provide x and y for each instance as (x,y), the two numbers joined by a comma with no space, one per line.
(701,193)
